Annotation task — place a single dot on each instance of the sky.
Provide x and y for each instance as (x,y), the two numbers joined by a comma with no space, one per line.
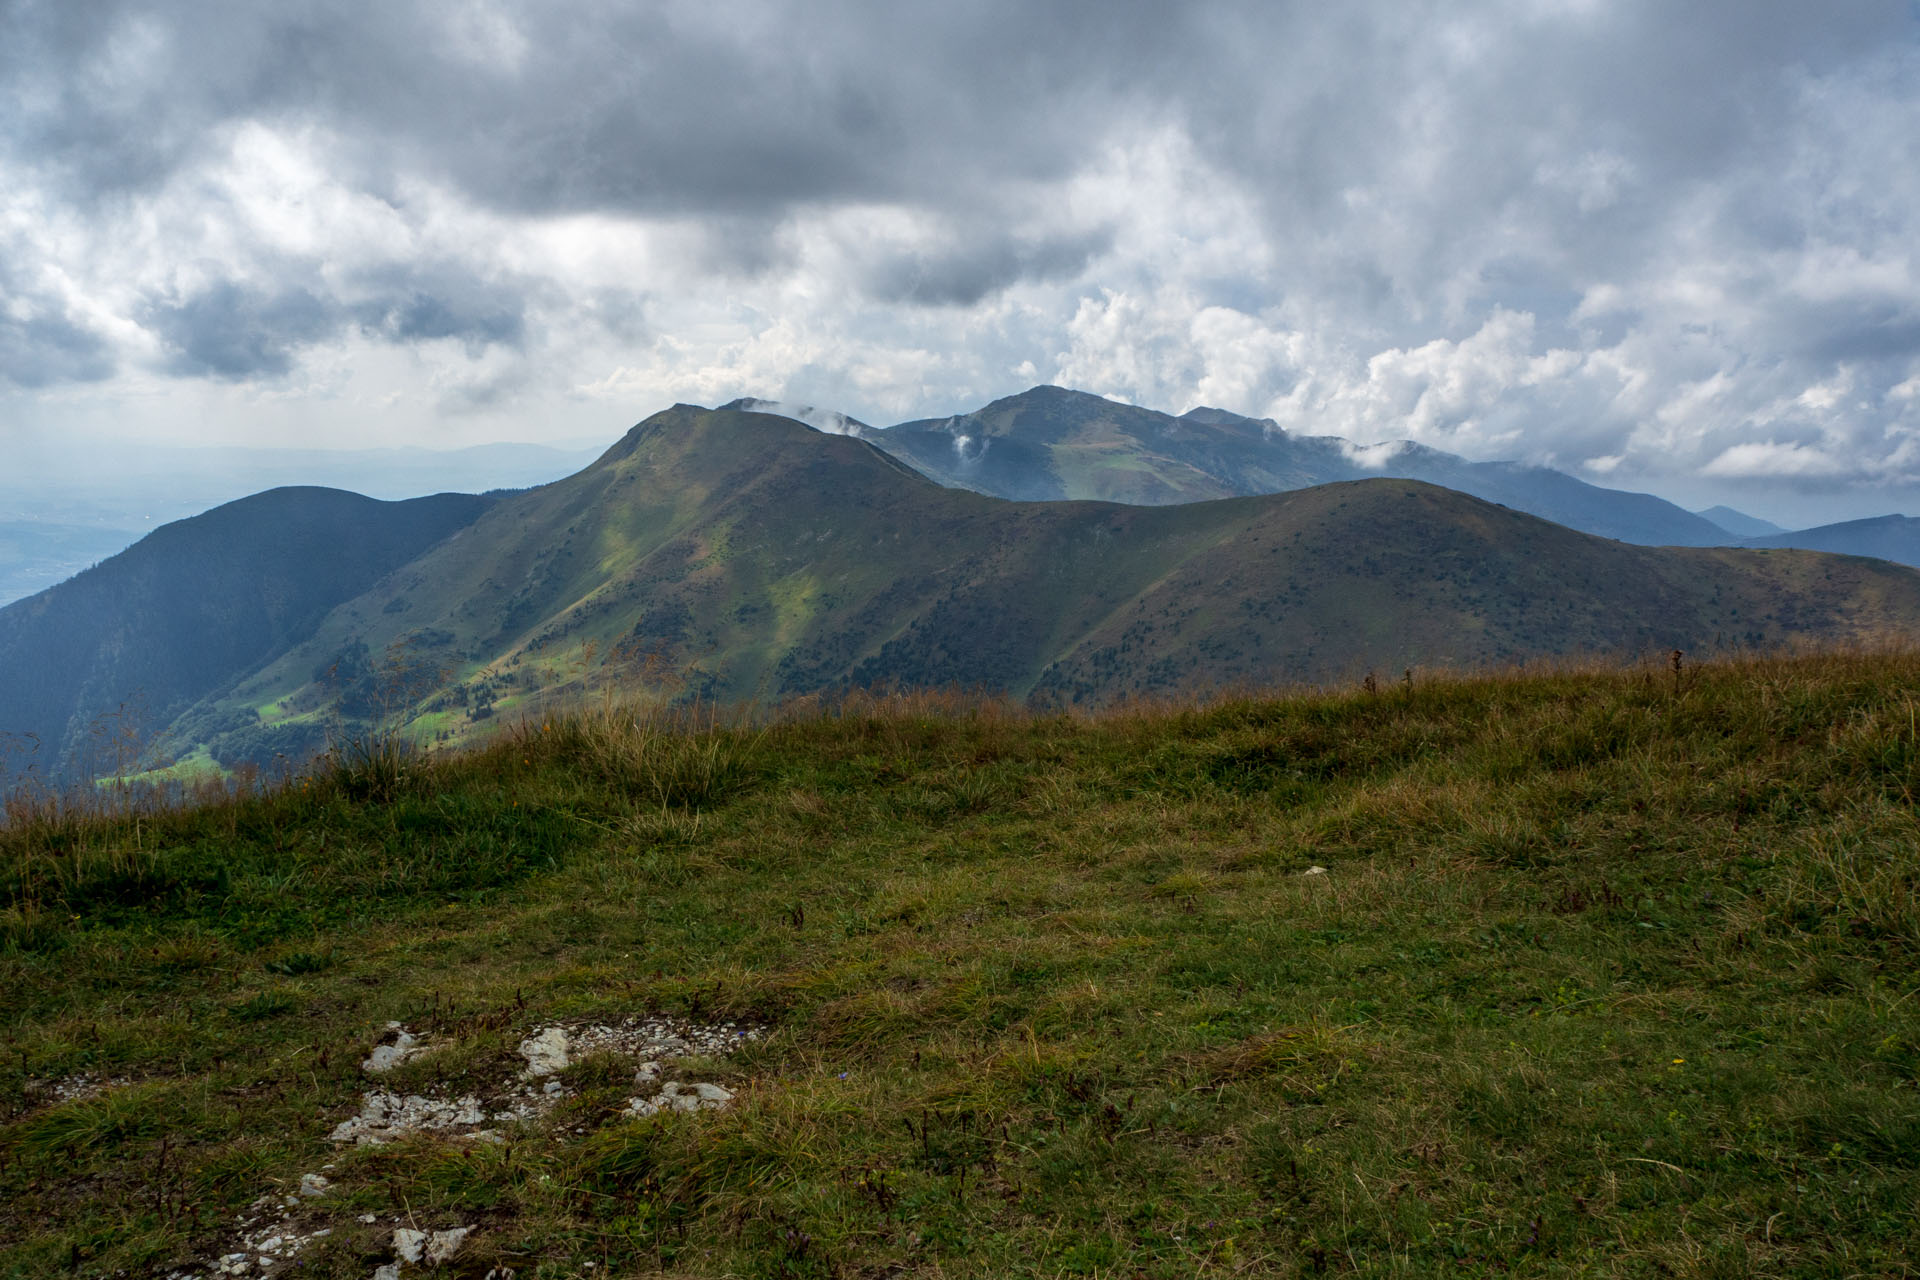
(1660,246)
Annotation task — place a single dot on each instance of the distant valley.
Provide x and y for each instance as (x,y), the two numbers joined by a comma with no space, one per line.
(37,554)
(742,556)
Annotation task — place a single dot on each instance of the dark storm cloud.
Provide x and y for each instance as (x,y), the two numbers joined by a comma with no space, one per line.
(738,114)
(47,350)
(1862,334)
(751,110)
(569,106)
(233,332)
(1592,231)
(411,305)
(970,268)
(1481,121)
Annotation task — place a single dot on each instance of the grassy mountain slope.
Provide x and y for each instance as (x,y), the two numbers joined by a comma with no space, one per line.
(195,603)
(1382,575)
(1050,443)
(1603,977)
(759,559)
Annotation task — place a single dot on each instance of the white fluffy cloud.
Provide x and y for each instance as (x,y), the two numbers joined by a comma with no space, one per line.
(1667,247)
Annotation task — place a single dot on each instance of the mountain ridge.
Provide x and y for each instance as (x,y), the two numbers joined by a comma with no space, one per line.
(1055,443)
(743,556)
(1892,537)
(754,558)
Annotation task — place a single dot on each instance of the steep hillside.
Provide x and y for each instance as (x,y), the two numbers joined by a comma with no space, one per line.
(97,663)
(743,556)
(1054,443)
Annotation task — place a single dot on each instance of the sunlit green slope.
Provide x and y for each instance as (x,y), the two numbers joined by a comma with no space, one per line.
(744,557)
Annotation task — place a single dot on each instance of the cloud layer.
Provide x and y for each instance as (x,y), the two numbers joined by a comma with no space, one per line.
(1661,247)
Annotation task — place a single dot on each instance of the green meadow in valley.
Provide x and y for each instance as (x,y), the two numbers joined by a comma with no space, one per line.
(1596,971)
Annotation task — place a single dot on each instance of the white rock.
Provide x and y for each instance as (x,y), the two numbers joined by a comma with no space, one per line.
(442,1245)
(411,1245)
(1314,871)
(313,1184)
(647,1074)
(430,1247)
(385,1057)
(545,1053)
(553,1088)
(386,1116)
(389,1272)
(676,1096)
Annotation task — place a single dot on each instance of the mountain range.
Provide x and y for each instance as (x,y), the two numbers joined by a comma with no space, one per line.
(739,555)
(1052,443)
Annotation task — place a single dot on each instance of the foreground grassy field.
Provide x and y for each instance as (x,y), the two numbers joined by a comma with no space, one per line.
(1608,973)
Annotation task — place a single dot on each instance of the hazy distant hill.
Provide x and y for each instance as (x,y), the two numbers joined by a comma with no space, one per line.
(1739,523)
(62,513)
(1054,443)
(1895,538)
(750,557)
(193,605)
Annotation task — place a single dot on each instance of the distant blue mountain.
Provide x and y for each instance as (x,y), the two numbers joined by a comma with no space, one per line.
(1740,524)
(1895,538)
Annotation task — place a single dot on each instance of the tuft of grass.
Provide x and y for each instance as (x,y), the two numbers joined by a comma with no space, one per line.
(658,758)
(90,1127)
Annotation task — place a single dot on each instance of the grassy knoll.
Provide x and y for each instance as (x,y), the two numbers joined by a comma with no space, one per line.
(1604,976)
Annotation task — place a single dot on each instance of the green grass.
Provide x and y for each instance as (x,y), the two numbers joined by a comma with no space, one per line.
(1604,977)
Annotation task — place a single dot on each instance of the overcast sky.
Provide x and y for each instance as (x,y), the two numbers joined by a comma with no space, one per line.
(1662,246)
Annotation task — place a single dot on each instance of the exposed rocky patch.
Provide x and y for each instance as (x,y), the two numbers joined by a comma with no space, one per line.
(553,1048)
(268,1238)
(386,1116)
